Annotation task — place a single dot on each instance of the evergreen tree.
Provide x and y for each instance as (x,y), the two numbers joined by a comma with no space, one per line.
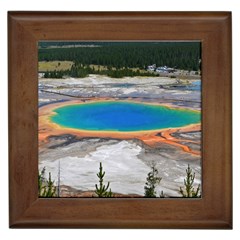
(46,74)
(185,55)
(102,190)
(189,191)
(46,187)
(152,180)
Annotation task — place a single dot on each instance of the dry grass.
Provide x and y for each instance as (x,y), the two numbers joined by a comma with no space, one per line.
(54,65)
(66,65)
(140,70)
(96,67)
(101,67)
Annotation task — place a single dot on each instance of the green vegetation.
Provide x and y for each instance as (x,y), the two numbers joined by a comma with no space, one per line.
(102,190)
(115,59)
(46,187)
(152,181)
(80,71)
(189,191)
(183,55)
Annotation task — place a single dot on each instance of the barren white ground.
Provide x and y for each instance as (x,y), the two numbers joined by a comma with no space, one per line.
(121,161)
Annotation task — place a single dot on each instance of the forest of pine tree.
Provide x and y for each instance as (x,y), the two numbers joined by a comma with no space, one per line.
(121,56)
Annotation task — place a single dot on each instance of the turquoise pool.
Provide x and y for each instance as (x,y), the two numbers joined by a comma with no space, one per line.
(122,116)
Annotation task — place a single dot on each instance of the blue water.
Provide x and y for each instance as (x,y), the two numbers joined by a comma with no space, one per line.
(122,116)
(195,86)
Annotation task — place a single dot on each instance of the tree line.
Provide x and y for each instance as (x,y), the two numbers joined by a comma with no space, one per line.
(81,71)
(180,55)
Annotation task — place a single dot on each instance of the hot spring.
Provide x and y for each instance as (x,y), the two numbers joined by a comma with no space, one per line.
(122,116)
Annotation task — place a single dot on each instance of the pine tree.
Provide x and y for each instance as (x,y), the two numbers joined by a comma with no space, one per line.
(46,187)
(188,183)
(152,181)
(102,190)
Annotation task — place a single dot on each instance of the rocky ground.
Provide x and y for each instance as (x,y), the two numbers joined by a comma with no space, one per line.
(126,162)
(149,89)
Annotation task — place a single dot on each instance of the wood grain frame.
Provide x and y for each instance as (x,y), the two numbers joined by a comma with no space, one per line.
(214,210)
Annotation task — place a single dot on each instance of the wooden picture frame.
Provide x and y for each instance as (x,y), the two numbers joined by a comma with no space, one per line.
(213,210)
